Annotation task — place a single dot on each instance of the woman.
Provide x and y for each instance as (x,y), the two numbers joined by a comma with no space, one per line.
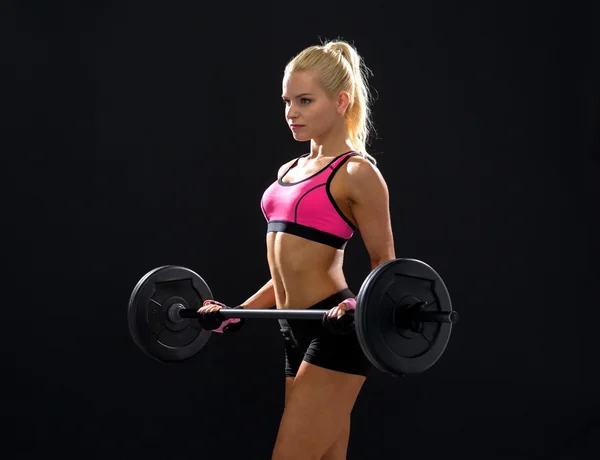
(316,203)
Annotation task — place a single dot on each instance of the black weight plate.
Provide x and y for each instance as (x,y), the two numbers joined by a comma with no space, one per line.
(401,350)
(151,329)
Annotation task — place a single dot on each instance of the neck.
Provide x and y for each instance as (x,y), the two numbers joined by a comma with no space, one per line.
(330,144)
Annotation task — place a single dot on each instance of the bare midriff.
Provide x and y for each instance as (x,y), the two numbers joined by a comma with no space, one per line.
(304,272)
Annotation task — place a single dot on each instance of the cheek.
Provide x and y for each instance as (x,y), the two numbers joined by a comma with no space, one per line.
(322,117)
(317,113)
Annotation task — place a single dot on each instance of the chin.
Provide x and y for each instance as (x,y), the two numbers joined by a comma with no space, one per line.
(301,137)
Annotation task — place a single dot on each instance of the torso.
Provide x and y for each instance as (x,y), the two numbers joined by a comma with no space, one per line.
(303,271)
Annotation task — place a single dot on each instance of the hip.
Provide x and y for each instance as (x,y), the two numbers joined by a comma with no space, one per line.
(305,329)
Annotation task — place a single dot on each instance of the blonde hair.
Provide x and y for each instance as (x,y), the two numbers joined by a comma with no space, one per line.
(341,68)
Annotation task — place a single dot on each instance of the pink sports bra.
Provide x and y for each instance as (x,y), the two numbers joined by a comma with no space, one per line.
(307,208)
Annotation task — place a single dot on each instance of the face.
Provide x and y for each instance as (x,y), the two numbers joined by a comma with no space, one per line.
(309,111)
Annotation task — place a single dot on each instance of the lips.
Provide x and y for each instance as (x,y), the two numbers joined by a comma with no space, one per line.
(296,126)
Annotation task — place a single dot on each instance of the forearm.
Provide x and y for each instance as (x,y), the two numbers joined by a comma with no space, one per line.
(263,298)
(380,261)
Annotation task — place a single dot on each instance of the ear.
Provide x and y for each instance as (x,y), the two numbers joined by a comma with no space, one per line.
(343,100)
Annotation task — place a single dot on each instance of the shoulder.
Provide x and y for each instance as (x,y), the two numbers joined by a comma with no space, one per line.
(362,179)
(358,168)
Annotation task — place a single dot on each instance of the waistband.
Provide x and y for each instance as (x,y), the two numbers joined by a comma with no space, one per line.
(332,300)
(325,304)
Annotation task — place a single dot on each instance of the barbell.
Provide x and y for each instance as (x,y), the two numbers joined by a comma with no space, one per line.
(403,318)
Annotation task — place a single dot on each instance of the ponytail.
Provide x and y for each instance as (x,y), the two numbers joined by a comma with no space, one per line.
(358,115)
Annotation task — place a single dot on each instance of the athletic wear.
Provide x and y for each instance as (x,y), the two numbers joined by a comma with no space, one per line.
(307,208)
(214,321)
(309,340)
(344,324)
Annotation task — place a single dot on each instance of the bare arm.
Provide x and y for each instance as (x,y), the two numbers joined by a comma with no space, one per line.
(262,299)
(369,202)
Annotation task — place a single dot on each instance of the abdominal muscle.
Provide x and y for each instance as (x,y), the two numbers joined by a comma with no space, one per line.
(303,272)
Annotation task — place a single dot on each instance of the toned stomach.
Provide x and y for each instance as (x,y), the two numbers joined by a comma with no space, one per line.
(303,272)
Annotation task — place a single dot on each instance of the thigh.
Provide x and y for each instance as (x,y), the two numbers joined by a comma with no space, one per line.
(289,384)
(341,353)
(325,349)
(293,348)
(316,412)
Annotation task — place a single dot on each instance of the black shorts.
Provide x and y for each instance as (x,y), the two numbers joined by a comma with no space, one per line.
(310,341)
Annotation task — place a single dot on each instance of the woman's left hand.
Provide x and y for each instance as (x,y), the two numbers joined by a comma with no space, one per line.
(337,321)
(338,311)
(341,308)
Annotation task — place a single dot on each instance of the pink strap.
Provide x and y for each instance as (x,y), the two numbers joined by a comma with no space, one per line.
(206,302)
(350,304)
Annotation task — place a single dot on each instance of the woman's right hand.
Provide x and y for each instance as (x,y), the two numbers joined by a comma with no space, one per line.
(212,320)
(210,306)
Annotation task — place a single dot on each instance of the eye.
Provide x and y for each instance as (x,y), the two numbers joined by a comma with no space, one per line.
(303,101)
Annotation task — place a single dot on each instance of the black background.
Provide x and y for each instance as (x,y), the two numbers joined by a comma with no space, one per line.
(146,133)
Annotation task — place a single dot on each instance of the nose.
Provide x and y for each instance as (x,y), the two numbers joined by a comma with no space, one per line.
(291,112)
